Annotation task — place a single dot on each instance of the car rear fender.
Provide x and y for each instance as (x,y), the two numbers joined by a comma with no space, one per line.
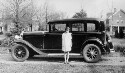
(29,45)
(95,41)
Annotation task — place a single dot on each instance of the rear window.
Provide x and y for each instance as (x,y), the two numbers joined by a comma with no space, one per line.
(91,27)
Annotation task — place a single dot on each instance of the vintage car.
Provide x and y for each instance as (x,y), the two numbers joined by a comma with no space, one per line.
(89,40)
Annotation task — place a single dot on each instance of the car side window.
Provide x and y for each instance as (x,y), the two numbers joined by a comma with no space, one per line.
(58,27)
(91,27)
(78,27)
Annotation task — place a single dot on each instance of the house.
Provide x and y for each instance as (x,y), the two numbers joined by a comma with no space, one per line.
(117,21)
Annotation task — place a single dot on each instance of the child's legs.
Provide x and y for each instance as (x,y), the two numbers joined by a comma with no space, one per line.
(67,56)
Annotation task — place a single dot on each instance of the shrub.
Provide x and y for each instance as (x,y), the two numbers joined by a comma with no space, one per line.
(7,42)
(119,48)
(8,34)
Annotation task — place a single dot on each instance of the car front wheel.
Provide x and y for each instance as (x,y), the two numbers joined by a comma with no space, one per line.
(20,53)
(91,53)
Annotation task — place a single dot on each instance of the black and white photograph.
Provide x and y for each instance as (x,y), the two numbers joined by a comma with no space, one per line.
(62,36)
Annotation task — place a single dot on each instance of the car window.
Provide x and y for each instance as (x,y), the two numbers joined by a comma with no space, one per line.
(90,27)
(58,27)
(78,27)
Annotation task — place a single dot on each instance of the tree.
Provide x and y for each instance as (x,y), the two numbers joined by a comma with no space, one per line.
(19,11)
(47,13)
(81,14)
(24,12)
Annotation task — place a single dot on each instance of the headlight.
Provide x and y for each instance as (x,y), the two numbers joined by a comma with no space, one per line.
(17,37)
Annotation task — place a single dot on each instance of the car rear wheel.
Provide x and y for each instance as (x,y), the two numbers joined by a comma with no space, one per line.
(91,53)
(20,53)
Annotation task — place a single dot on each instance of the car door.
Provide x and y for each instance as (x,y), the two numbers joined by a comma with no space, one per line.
(78,36)
(53,39)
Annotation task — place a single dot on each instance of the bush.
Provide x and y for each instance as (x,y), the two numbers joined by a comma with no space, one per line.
(7,42)
(15,31)
(8,34)
(119,48)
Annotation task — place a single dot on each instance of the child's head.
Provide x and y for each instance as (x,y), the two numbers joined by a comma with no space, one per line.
(67,29)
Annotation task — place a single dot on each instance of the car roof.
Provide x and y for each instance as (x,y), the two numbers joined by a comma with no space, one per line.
(73,20)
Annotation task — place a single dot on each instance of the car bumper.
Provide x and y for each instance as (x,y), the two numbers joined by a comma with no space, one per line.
(108,47)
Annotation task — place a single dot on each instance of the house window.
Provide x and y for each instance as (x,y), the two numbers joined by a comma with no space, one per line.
(120,15)
(117,21)
(121,21)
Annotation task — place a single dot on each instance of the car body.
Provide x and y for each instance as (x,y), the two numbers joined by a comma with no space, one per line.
(89,39)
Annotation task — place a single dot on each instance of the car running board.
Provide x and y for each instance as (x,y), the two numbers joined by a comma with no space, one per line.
(52,54)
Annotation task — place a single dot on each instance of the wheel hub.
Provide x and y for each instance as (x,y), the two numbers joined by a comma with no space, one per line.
(92,53)
(19,52)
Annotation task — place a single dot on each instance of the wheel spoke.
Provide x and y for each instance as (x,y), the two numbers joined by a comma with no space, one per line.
(92,52)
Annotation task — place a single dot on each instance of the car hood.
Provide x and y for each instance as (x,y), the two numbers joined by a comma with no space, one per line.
(35,33)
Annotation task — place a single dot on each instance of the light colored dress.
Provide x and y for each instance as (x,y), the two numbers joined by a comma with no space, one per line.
(66,42)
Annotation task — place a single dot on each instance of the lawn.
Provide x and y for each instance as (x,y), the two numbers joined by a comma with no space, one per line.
(119,44)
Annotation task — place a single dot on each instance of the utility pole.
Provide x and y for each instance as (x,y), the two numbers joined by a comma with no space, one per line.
(112,18)
(31,15)
(46,14)
(17,17)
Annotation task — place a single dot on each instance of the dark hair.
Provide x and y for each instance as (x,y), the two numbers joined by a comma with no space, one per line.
(67,28)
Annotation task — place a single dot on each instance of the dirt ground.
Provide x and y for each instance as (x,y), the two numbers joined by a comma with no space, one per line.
(110,63)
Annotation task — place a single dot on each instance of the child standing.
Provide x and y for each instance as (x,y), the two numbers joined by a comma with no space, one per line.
(66,44)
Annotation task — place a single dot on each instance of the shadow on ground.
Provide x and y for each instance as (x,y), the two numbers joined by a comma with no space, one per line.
(55,59)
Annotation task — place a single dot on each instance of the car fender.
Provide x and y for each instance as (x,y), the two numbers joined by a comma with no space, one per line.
(20,41)
(90,40)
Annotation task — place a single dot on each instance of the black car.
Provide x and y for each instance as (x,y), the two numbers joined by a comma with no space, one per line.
(89,39)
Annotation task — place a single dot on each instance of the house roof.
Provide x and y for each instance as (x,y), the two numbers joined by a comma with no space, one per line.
(116,13)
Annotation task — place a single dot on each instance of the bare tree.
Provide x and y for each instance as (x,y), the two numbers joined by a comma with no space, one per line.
(19,11)
(22,12)
(46,14)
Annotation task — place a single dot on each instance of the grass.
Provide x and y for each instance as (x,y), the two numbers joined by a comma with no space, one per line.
(119,44)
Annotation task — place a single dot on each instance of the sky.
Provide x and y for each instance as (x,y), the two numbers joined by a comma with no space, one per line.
(94,8)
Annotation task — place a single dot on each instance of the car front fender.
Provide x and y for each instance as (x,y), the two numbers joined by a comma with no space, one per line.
(20,41)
